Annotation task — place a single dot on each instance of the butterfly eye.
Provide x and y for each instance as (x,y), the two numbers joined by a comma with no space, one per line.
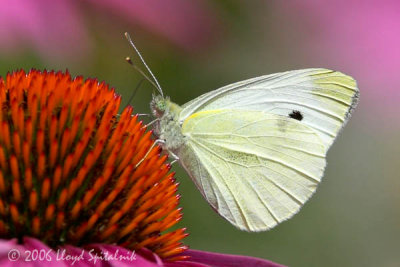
(296,115)
(158,106)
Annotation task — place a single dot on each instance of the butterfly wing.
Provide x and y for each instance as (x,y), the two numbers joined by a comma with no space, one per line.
(254,168)
(324,98)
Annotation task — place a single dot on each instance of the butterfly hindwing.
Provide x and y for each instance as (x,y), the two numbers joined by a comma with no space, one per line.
(255,169)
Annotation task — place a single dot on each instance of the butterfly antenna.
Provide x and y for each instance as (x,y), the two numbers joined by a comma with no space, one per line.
(128,37)
(128,59)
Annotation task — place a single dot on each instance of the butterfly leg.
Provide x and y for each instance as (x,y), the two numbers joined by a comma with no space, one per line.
(139,115)
(150,123)
(158,141)
(143,114)
(175,157)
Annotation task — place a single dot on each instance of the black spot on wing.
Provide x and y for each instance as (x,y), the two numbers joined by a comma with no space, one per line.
(296,115)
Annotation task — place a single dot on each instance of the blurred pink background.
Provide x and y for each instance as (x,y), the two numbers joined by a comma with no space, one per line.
(196,46)
(62,28)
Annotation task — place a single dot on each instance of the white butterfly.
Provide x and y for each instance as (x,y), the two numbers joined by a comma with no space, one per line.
(256,149)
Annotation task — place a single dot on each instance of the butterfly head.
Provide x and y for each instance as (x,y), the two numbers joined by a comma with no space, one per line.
(158,105)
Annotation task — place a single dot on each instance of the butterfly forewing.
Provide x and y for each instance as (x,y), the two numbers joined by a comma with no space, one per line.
(324,98)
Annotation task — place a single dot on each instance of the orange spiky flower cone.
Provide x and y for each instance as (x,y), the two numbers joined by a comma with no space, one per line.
(70,172)
(82,185)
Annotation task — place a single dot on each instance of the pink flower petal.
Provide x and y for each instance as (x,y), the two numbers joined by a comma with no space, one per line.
(9,248)
(124,257)
(74,256)
(111,255)
(187,263)
(226,260)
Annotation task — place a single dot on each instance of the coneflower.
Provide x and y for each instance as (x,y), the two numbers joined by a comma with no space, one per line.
(77,176)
